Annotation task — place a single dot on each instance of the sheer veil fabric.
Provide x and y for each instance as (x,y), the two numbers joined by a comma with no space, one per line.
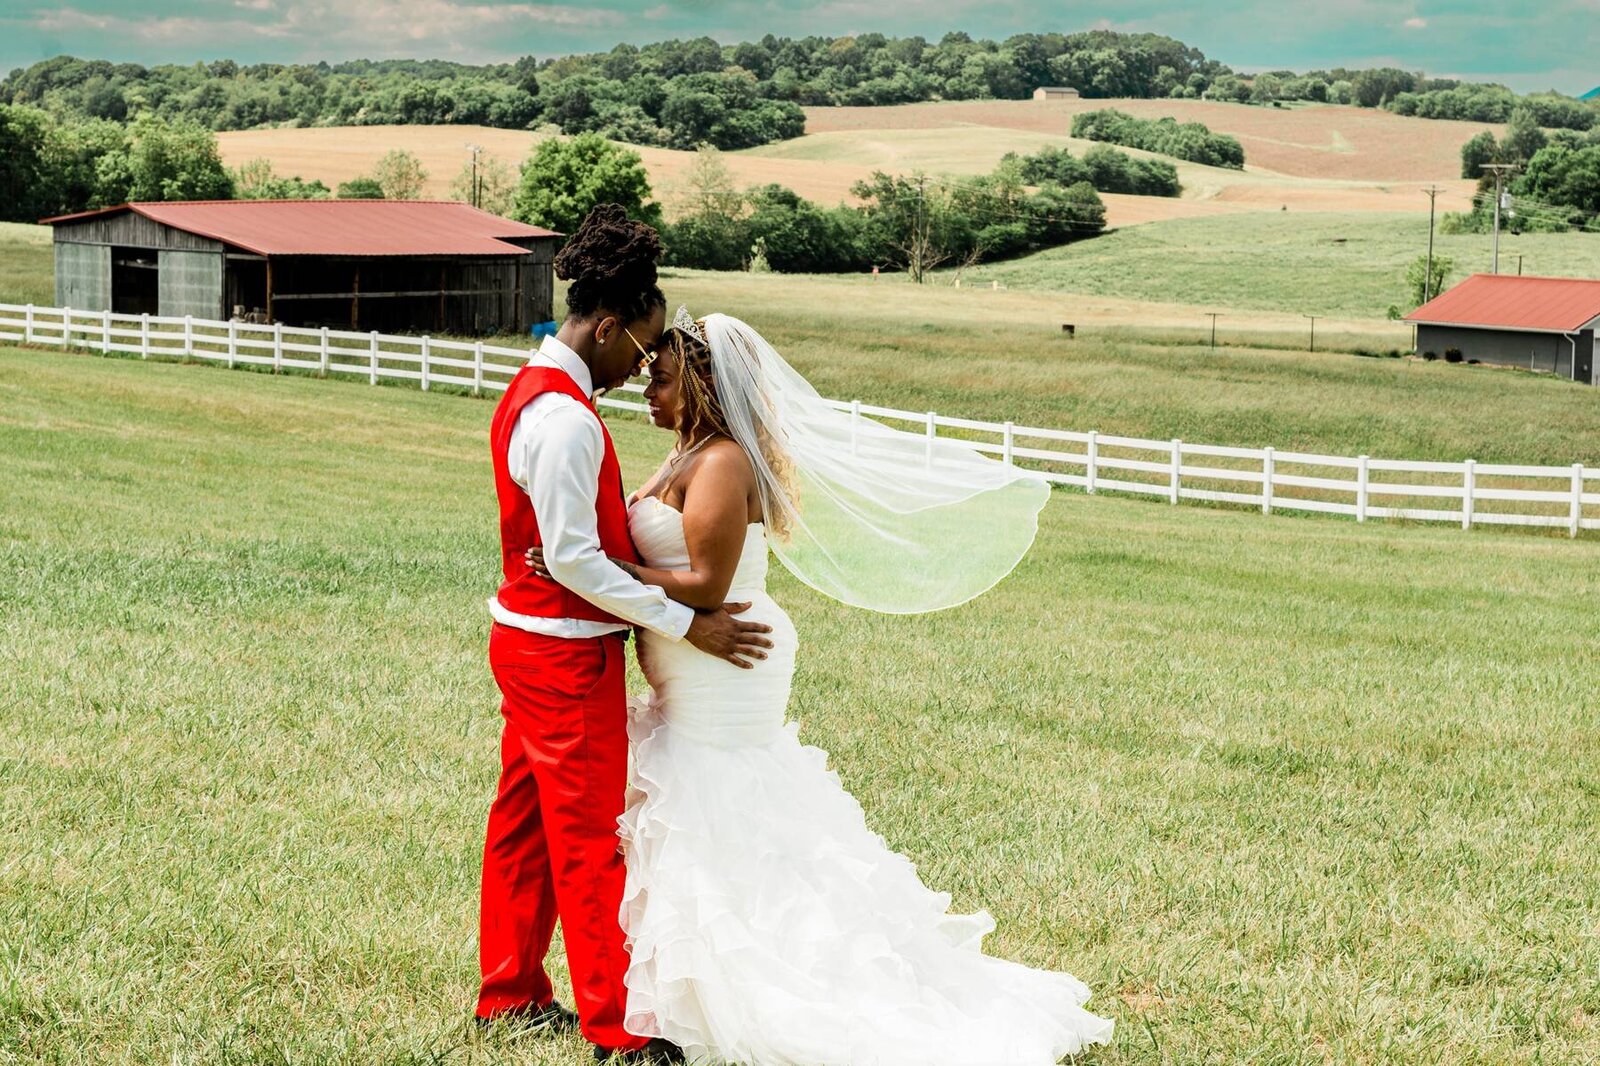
(872,516)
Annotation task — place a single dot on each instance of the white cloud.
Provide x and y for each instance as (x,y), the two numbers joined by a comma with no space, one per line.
(1415,23)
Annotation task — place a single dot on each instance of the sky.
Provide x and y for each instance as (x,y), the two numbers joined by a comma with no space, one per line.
(1529,45)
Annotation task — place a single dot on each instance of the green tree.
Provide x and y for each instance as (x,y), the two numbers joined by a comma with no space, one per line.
(1481,149)
(255,180)
(360,189)
(496,184)
(563,179)
(1523,137)
(163,161)
(25,164)
(708,230)
(400,174)
(1418,283)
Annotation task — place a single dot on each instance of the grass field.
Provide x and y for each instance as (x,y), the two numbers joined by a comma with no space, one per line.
(1279,790)
(27,264)
(1001,355)
(1349,264)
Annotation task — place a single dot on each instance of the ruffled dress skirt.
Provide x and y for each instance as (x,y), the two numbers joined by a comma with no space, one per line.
(768,924)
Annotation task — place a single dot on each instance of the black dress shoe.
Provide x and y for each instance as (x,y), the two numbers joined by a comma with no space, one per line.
(551,1018)
(658,1052)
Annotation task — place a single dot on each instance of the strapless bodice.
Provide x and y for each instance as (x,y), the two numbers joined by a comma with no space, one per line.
(706,699)
(657,530)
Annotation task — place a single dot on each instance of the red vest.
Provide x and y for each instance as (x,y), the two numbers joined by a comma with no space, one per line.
(524,591)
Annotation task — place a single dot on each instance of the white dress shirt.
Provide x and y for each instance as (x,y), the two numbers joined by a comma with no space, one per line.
(555,454)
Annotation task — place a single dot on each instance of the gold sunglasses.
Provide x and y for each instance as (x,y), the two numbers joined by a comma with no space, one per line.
(646,356)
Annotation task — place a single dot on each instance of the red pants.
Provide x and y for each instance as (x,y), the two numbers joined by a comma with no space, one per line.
(552,846)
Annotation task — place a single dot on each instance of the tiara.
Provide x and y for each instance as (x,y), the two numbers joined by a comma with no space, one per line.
(685,321)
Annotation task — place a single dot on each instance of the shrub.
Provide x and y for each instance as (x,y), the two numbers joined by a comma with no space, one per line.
(1452,355)
(1430,355)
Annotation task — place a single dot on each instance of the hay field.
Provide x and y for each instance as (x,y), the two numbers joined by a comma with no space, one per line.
(1303,141)
(1320,158)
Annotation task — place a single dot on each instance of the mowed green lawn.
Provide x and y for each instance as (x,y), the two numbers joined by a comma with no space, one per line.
(1315,263)
(1279,790)
(1002,356)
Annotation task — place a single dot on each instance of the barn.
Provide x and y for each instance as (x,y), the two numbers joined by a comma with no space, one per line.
(388,265)
(1055,92)
(1536,323)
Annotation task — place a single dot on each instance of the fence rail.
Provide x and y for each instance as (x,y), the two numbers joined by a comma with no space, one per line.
(1465,492)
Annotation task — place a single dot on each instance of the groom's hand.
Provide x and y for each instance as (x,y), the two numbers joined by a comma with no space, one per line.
(719,633)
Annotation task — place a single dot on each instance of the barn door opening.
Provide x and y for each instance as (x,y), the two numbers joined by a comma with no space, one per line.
(135,281)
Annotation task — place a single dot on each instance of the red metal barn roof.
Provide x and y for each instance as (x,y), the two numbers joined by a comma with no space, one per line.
(338,227)
(1553,305)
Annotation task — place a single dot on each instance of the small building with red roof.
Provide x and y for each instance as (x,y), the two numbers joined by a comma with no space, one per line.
(391,265)
(1536,323)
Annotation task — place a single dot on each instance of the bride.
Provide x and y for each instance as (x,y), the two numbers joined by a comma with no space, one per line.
(768,924)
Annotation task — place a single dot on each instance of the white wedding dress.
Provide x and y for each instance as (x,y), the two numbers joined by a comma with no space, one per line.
(768,924)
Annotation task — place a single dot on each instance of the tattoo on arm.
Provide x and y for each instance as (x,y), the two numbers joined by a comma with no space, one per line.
(627,568)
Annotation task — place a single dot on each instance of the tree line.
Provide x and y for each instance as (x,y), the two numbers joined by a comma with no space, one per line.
(1555,188)
(683,93)
(913,223)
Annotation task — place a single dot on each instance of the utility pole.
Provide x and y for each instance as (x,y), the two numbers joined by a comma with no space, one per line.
(1499,170)
(1313,319)
(919,243)
(1213,315)
(1427,282)
(472,190)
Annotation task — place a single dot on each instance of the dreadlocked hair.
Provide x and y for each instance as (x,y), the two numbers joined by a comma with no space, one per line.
(704,417)
(611,263)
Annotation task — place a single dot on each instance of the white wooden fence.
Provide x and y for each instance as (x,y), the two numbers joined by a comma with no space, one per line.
(1466,492)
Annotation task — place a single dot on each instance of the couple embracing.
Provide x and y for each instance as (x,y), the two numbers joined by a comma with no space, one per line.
(724,901)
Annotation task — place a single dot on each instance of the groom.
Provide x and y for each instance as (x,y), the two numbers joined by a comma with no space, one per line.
(557,650)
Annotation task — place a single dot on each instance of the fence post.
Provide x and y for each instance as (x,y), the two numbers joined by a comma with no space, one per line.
(1577,500)
(66,326)
(931,430)
(477,368)
(324,351)
(1092,468)
(27,325)
(425,352)
(1361,488)
(233,343)
(1177,466)
(188,336)
(855,420)
(1267,472)
(1469,484)
(105,332)
(372,361)
(277,347)
(144,335)
(1010,443)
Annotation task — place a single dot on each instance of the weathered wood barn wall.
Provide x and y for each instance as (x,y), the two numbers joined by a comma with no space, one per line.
(394,266)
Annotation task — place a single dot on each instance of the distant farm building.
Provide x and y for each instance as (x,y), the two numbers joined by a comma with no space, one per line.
(1535,323)
(1055,92)
(389,265)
